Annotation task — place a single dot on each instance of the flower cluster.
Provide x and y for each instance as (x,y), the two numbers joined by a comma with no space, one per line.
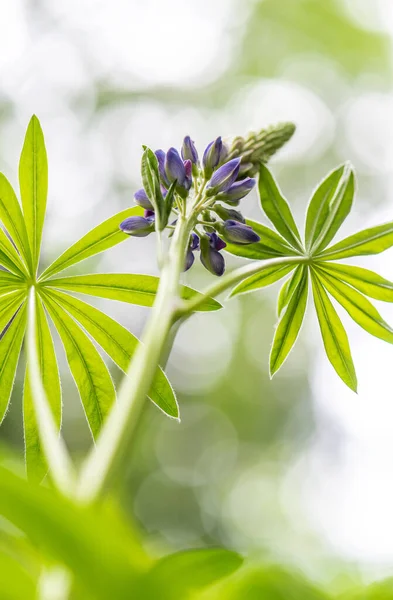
(208,190)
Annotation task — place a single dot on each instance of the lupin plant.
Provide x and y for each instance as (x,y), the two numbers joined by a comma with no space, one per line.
(193,204)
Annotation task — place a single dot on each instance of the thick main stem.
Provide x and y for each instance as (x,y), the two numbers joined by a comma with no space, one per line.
(102,464)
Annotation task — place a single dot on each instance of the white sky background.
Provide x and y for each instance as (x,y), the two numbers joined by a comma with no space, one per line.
(174,42)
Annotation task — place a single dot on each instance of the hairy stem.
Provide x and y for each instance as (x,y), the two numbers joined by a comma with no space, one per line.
(111,452)
(56,454)
(234,277)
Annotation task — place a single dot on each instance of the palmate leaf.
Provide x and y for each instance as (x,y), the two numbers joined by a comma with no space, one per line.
(369,241)
(117,342)
(89,371)
(262,279)
(288,288)
(329,207)
(10,347)
(35,460)
(369,283)
(357,306)
(10,258)
(104,236)
(33,181)
(277,209)
(334,337)
(134,289)
(289,325)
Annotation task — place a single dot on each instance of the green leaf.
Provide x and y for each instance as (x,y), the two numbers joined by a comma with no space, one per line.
(89,371)
(288,288)
(10,347)
(16,582)
(81,538)
(369,241)
(10,282)
(9,257)
(13,220)
(104,236)
(118,343)
(329,207)
(33,181)
(36,466)
(334,335)
(271,245)
(277,209)
(369,283)
(177,575)
(358,307)
(262,279)
(289,325)
(134,289)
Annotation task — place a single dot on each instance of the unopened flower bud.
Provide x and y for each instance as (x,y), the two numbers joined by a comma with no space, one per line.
(237,191)
(238,233)
(194,242)
(225,176)
(142,200)
(190,258)
(188,151)
(160,154)
(228,213)
(211,259)
(138,226)
(174,167)
(211,156)
(188,169)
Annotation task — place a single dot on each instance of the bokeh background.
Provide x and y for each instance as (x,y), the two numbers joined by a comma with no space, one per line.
(298,469)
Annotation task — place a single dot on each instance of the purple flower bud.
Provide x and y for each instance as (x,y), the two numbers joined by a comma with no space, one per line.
(174,167)
(188,151)
(160,154)
(223,154)
(216,242)
(238,233)
(237,191)
(138,226)
(141,198)
(188,169)
(189,259)
(211,259)
(149,213)
(194,242)
(211,156)
(228,213)
(225,176)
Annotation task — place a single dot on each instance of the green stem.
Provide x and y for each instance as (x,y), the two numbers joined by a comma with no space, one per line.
(234,277)
(56,454)
(112,449)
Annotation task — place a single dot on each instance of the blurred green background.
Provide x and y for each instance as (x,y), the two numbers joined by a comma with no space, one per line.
(297,469)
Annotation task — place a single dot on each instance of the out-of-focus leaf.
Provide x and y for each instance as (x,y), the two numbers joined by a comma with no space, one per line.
(10,347)
(288,288)
(176,575)
(89,371)
(13,220)
(36,466)
(369,241)
(118,343)
(366,281)
(289,325)
(134,289)
(334,335)
(276,208)
(81,538)
(104,236)
(16,583)
(270,245)
(329,207)
(262,279)
(33,181)
(357,306)
(264,583)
